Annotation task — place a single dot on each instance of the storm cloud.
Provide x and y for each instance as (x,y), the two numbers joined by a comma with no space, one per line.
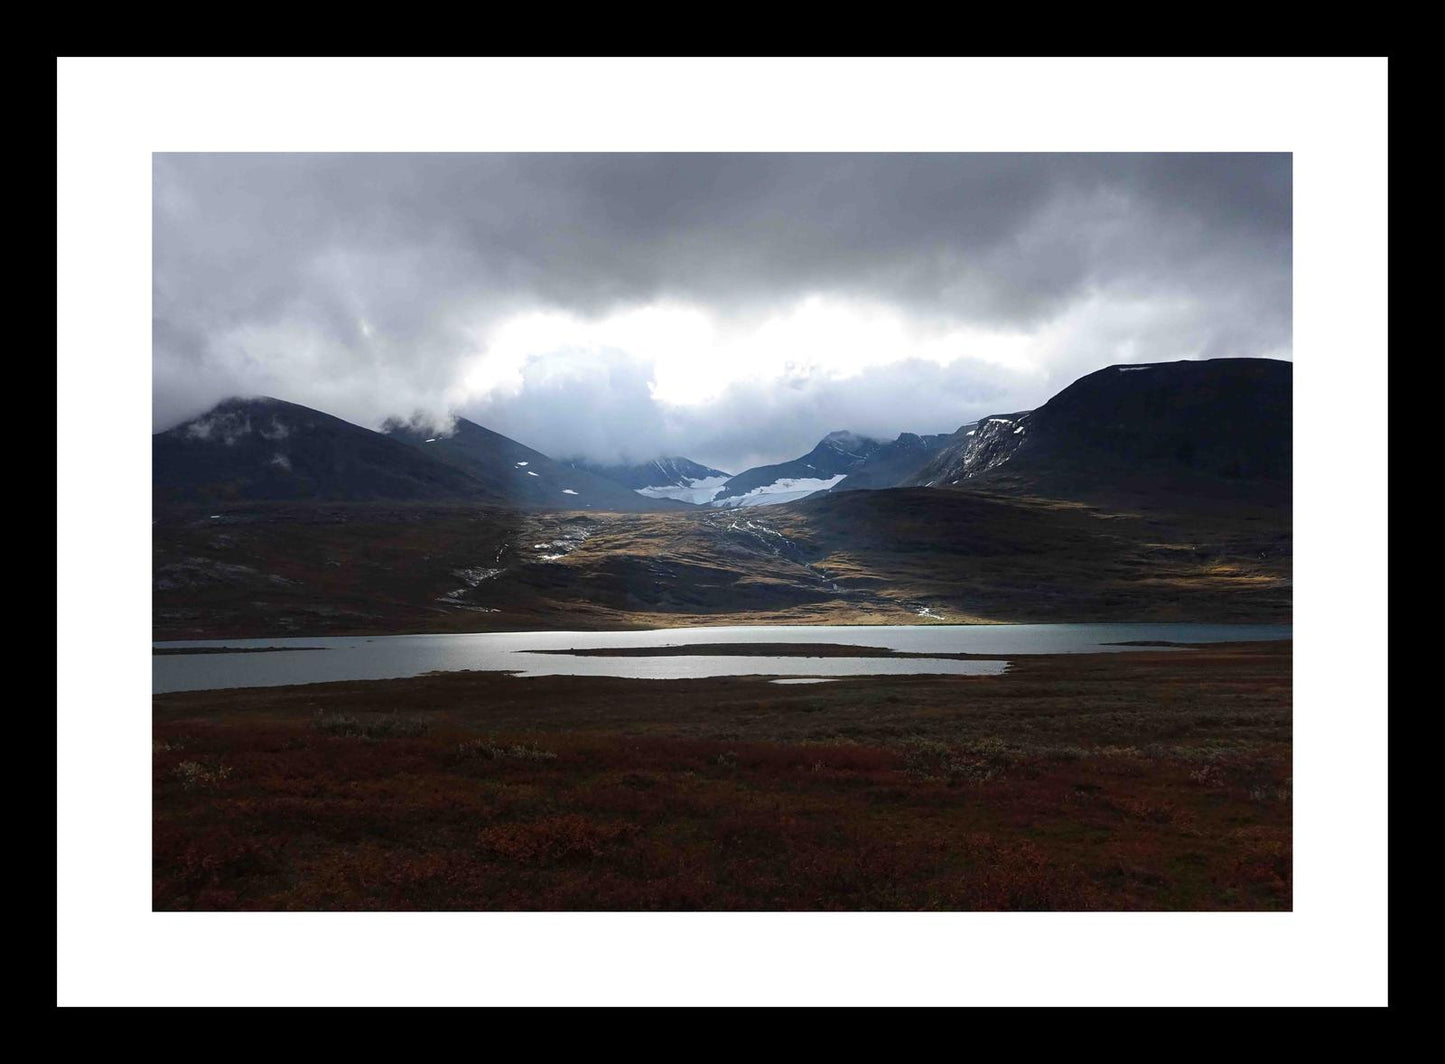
(733,308)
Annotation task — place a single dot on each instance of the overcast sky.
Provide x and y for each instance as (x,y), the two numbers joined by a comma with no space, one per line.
(731,308)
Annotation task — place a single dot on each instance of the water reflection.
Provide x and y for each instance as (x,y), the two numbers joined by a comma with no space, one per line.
(272,662)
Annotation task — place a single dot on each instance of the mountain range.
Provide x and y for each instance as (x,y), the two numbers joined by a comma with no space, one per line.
(893,463)
(258,449)
(1194,424)
(510,472)
(265,449)
(835,456)
(1139,492)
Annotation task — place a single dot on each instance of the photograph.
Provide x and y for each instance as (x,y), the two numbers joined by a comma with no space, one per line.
(722,532)
(740,535)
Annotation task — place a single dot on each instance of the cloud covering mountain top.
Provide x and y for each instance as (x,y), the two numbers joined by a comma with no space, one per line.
(733,308)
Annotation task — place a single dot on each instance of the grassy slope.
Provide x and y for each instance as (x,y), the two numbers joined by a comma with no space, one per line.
(858,557)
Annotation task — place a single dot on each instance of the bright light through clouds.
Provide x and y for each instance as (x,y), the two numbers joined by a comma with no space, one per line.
(695,357)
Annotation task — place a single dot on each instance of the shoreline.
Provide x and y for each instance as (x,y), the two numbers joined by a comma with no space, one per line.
(163,651)
(740,623)
(1116,781)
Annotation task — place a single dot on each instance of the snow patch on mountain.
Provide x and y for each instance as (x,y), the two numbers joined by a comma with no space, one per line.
(693,489)
(787,489)
(675,478)
(828,463)
(989,444)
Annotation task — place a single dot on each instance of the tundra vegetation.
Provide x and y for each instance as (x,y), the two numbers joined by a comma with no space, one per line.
(1132,780)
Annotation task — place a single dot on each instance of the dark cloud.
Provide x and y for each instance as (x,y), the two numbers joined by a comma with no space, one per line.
(367,284)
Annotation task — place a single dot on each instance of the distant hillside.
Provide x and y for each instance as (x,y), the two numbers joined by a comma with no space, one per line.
(1174,480)
(836,455)
(517,474)
(894,556)
(677,478)
(267,449)
(894,463)
(1192,426)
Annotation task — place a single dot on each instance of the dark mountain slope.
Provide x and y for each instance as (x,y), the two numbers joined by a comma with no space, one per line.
(674,472)
(1216,426)
(836,454)
(895,462)
(517,474)
(259,449)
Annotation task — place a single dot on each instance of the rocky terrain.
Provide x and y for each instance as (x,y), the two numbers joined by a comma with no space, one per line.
(1222,427)
(893,463)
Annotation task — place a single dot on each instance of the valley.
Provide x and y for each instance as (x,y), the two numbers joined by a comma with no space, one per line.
(1156,492)
(800,768)
(874,557)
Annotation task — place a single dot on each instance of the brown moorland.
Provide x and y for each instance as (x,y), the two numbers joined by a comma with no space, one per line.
(1131,780)
(869,557)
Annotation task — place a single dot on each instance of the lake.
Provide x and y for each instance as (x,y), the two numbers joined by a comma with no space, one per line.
(328,660)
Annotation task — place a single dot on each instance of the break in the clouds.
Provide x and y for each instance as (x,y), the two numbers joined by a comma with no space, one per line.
(733,308)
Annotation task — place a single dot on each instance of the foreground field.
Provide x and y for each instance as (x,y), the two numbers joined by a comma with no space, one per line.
(1122,781)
